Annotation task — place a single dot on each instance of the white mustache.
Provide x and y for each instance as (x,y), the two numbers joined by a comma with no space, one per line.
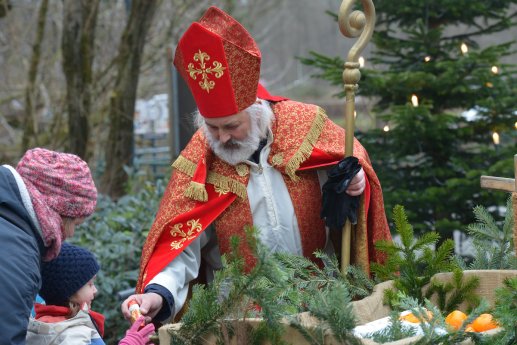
(237,151)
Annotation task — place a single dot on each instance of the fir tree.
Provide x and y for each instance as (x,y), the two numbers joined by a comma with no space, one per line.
(432,158)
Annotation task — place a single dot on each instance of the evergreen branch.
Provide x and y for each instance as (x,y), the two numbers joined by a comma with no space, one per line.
(494,247)
(315,335)
(426,240)
(394,332)
(458,291)
(403,227)
(334,309)
(509,220)
(493,28)
(504,312)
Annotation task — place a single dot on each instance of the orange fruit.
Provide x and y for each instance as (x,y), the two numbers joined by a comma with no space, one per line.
(469,328)
(413,319)
(455,319)
(410,318)
(484,322)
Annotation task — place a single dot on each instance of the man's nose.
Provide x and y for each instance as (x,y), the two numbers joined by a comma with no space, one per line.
(224,136)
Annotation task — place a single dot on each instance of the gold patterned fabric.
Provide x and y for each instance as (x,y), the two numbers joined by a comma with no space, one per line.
(304,139)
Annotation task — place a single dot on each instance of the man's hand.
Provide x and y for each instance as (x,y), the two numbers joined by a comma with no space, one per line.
(357,184)
(150,304)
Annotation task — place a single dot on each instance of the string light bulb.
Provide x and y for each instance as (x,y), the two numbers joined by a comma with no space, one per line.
(386,128)
(361,61)
(495,138)
(355,114)
(427,58)
(515,125)
(495,69)
(414,100)
(464,48)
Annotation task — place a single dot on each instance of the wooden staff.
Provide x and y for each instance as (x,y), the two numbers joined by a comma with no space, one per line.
(507,185)
(353,24)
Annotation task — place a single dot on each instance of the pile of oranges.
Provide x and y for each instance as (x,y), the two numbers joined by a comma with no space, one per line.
(455,319)
(483,322)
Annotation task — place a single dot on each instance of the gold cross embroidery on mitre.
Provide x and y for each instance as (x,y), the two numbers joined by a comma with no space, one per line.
(217,70)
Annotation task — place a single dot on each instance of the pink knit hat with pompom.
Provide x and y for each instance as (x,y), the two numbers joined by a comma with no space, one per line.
(60,185)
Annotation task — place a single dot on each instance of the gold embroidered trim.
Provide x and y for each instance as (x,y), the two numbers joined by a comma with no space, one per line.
(195,228)
(227,183)
(196,191)
(222,182)
(221,191)
(308,143)
(277,159)
(242,169)
(184,165)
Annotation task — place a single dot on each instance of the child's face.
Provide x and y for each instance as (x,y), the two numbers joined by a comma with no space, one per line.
(69,225)
(86,294)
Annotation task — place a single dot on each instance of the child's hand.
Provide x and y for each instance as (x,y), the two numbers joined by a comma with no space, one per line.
(138,337)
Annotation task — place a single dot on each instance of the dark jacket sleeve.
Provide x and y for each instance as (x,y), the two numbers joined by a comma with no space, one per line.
(19,262)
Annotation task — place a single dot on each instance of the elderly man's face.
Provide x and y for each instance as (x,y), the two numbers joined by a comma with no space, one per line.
(230,129)
(234,138)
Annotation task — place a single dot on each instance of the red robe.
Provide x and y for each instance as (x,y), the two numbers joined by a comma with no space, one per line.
(203,189)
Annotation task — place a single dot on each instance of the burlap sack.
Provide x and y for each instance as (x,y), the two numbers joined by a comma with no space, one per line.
(370,309)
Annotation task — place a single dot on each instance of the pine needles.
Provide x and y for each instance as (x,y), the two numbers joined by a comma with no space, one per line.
(279,286)
(285,290)
(412,263)
(235,295)
(505,312)
(452,294)
(493,245)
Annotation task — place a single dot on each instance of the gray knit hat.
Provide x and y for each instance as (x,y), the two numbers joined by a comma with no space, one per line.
(66,274)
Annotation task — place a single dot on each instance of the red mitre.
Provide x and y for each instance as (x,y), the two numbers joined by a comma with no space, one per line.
(220,62)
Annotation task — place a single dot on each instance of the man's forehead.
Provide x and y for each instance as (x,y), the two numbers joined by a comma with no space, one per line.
(226,120)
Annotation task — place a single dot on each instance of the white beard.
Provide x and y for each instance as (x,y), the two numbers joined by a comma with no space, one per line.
(237,151)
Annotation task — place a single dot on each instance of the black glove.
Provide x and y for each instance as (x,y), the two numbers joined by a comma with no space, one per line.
(337,205)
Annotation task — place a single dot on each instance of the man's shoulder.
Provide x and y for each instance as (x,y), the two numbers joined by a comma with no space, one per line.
(292,113)
(196,147)
(290,106)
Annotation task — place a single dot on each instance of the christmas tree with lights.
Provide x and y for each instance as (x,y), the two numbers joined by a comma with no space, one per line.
(426,72)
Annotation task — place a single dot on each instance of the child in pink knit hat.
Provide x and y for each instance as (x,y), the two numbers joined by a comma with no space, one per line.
(41,202)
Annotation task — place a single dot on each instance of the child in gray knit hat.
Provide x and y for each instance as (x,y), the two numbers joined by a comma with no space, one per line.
(68,288)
